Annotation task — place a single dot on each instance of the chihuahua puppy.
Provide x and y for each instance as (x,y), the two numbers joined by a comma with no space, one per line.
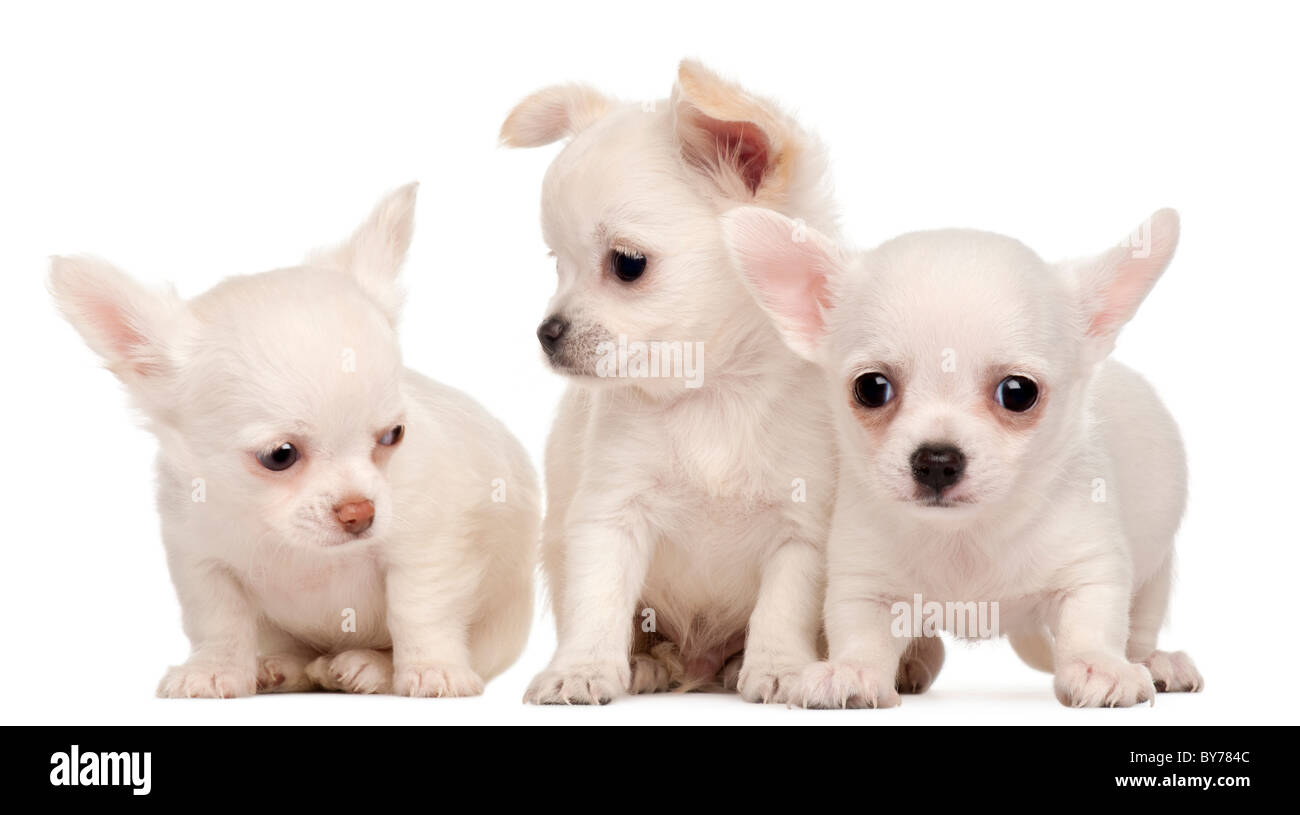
(989,452)
(687,503)
(331,518)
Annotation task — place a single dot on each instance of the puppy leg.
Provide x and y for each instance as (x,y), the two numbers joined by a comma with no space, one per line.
(1172,672)
(221,624)
(782,637)
(430,603)
(1091,630)
(360,670)
(608,554)
(863,665)
(919,665)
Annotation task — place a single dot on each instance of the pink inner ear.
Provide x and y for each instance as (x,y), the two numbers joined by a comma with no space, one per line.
(789,270)
(126,342)
(740,146)
(743,146)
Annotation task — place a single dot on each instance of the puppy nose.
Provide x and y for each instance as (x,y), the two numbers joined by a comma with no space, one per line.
(356,515)
(938,466)
(550,332)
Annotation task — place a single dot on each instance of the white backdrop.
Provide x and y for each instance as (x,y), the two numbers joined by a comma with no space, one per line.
(187,144)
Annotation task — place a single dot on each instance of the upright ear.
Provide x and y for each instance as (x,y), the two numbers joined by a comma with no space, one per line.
(138,332)
(1112,285)
(375,252)
(744,144)
(560,111)
(789,268)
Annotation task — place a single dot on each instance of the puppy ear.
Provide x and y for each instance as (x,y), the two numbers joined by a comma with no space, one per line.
(1112,285)
(744,144)
(138,332)
(789,268)
(560,111)
(375,252)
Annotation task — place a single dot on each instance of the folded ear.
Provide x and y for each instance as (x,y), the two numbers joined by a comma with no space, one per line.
(137,331)
(789,268)
(1113,284)
(377,249)
(744,144)
(560,111)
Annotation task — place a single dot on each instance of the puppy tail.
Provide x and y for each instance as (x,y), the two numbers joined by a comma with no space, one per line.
(1035,648)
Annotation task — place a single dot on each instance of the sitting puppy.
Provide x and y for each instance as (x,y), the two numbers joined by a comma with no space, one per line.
(687,503)
(988,452)
(331,518)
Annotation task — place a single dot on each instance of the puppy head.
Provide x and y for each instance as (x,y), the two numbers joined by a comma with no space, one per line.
(630,210)
(277,395)
(959,360)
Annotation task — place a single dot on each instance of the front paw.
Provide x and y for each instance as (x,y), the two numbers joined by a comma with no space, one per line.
(845,685)
(436,680)
(1174,672)
(207,680)
(768,680)
(596,683)
(361,670)
(1103,680)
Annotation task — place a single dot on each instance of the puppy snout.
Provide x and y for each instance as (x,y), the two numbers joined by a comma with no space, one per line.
(550,332)
(355,515)
(938,466)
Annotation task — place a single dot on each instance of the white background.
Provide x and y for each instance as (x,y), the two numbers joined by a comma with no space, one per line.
(187,145)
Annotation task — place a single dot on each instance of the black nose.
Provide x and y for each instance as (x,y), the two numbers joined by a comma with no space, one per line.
(938,466)
(550,332)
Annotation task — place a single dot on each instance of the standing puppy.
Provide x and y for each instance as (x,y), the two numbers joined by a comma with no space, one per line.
(691,469)
(331,518)
(989,453)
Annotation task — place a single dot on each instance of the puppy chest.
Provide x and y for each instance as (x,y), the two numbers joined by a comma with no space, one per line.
(331,603)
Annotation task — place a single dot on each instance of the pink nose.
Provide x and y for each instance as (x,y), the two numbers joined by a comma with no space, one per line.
(356,515)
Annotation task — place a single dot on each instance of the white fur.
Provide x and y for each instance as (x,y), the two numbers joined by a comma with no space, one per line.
(1082,584)
(440,586)
(663,498)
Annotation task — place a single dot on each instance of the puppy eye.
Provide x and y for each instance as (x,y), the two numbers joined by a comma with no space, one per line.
(626,267)
(281,458)
(873,390)
(1017,393)
(393,436)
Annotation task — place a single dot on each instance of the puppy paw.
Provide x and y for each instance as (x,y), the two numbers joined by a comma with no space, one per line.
(282,673)
(1173,672)
(919,665)
(649,674)
(768,680)
(846,685)
(730,674)
(1102,680)
(207,680)
(358,671)
(589,684)
(437,681)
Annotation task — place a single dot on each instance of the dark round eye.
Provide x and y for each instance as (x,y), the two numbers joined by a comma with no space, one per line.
(393,436)
(873,390)
(281,458)
(1017,393)
(626,267)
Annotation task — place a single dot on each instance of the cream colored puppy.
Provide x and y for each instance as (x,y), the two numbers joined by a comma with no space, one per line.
(331,518)
(690,472)
(989,452)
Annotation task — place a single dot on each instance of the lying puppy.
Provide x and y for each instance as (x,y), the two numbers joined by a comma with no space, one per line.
(331,518)
(989,453)
(687,504)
